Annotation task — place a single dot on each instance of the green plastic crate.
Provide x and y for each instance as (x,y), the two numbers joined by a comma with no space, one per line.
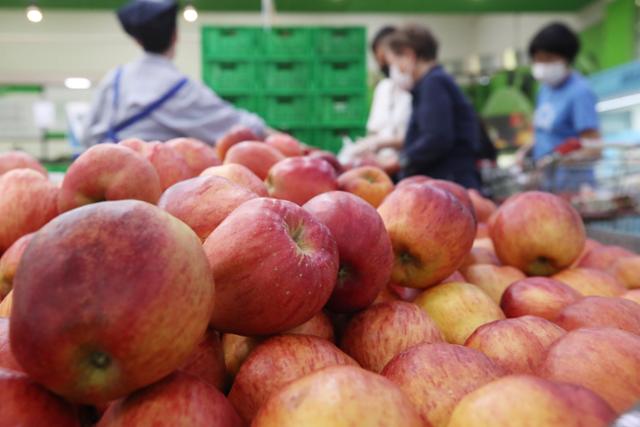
(341,41)
(229,42)
(330,139)
(288,42)
(288,75)
(341,110)
(231,76)
(304,135)
(247,102)
(341,74)
(287,111)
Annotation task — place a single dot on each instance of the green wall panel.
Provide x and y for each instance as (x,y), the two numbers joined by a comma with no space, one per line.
(619,33)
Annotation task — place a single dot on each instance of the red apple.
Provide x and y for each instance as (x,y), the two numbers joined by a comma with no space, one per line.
(275,267)
(7,359)
(108,172)
(482,231)
(528,401)
(197,154)
(537,296)
(328,157)
(605,360)
(436,376)
(601,311)
(27,404)
(100,300)
(602,257)
(299,179)
(591,282)
(516,345)
(207,361)
(9,264)
(27,202)
(456,276)
(484,207)
(167,161)
(318,326)
(416,179)
(633,295)
(286,144)
(480,256)
(538,233)
(179,400)
(589,245)
(257,156)
(364,248)
(240,175)
(339,396)
(458,191)
(405,294)
(19,160)
(277,362)
(204,202)
(627,271)
(368,182)
(493,279)
(234,136)
(431,233)
(376,335)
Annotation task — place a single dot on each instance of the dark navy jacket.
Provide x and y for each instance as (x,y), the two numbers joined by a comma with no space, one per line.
(442,133)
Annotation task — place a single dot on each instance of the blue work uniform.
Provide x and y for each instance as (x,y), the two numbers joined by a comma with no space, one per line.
(442,134)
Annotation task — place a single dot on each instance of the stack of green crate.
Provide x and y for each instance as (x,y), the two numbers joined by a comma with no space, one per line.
(308,81)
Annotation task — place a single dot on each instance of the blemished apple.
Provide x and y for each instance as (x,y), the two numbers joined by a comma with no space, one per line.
(538,233)
(299,179)
(7,359)
(528,401)
(605,360)
(328,157)
(339,396)
(196,153)
(480,256)
(25,403)
(493,279)
(28,202)
(375,335)
(274,265)
(458,191)
(601,312)
(516,345)
(9,263)
(286,144)
(256,156)
(207,361)
(167,161)
(431,234)
(591,282)
(117,279)
(108,172)
(275,363)
(603,257)
(458,309)
(633,295)
(364,248)
(436,376)
(627,271)
(234,136)
(240,175)
(20,160)
(5,305)
(368,182)
(484,207)
(179,400)
(204,202)
(537,296)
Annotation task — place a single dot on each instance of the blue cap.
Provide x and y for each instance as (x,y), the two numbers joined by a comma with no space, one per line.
(139,16)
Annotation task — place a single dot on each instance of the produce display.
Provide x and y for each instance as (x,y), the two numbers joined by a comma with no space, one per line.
(263,283)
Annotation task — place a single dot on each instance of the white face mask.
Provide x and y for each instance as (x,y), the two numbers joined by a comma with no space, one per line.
(552,73)
(402,80)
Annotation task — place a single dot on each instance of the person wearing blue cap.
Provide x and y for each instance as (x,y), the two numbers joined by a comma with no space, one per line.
(150,98)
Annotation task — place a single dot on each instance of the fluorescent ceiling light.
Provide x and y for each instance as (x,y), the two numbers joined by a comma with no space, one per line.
(190,13)
(618,103)
(77,83)
(34,14)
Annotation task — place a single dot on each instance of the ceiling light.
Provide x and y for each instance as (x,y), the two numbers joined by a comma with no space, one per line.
(34,14)
(77,83)
(190,13)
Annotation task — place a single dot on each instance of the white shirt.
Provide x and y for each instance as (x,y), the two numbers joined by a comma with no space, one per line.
(390,110)
(195,111)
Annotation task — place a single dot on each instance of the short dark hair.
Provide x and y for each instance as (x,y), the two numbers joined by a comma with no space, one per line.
(382,33)
(417,38)
(158,34)
(556,38)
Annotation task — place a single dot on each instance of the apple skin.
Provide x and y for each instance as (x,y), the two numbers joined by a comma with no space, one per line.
(492,279)
(204,202)
(633,295)
(27,404)
(364,248)
(5,306)
(431,234)
(256,156)
(338,396)
(458,309)
(207,361)
(240,175)
(375,335)
(108,172)
(27,203)
(627,271)
(591,282)
(605,360)
(415,179)
(484,207)
(109,325)
(286,144)
(589,245)
(275,267)
(179,400)
(9,263)
(458,191)
(538,233)
(328,157)
(368,182)
(299,179)
(537,296)
(516,345)
(196,153)
(480,256)
(20,160)
(603,257)
(601,312)
(277,362)
(167,161)
(436,376)
(234,136)
(528,401)
(7,359)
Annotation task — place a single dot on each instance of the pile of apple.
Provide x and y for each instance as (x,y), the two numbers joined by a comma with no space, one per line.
(259,283)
